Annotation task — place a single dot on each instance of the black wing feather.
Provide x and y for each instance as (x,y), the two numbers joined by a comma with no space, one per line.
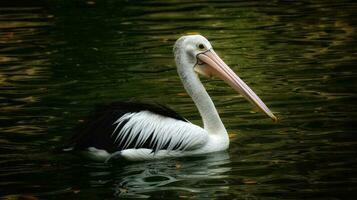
(97,130)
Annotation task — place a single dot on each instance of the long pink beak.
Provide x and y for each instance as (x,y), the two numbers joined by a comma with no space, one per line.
(217,67)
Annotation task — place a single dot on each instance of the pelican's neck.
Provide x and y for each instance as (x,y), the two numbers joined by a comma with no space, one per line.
(211,120)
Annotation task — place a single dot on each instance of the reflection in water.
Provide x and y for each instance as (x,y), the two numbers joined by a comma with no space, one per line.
(179,177)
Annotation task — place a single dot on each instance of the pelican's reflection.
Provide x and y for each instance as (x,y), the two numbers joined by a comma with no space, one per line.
(198,176)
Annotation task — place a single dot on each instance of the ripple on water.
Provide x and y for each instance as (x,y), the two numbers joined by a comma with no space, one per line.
(59,59)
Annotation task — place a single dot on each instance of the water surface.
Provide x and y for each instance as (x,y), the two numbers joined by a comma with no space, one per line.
(58,59)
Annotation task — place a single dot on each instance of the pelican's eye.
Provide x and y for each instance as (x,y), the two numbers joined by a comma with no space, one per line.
(201,46)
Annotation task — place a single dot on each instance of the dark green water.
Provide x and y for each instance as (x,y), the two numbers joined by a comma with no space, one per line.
(60,58)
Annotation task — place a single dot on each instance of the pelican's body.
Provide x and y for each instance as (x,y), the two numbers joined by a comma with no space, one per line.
(135,131)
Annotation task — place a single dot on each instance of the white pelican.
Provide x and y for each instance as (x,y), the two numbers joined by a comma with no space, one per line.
(135,131)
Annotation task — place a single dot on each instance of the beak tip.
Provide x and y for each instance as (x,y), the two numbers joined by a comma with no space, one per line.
(275,119)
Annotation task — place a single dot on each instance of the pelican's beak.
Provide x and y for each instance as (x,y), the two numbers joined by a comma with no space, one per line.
(209,63)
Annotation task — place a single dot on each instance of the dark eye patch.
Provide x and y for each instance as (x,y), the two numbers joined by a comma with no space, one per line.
(201,46)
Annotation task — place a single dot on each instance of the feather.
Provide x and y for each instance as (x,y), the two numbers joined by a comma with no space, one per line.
(163,132)
(121,125)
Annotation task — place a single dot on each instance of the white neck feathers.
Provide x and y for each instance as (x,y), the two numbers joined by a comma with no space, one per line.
(211,120)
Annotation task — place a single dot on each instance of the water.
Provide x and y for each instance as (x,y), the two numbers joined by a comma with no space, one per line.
(58,59)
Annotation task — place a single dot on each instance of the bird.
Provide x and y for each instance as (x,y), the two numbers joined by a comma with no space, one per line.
(140,131)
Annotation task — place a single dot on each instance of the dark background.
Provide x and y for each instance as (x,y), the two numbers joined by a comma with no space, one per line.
(58,59)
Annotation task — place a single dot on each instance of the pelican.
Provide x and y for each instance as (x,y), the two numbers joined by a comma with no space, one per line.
(135,131)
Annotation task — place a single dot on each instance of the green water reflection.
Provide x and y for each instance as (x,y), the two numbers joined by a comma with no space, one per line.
(58,59)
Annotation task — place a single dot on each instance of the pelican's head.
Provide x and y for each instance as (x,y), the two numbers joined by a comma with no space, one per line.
(195,53)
